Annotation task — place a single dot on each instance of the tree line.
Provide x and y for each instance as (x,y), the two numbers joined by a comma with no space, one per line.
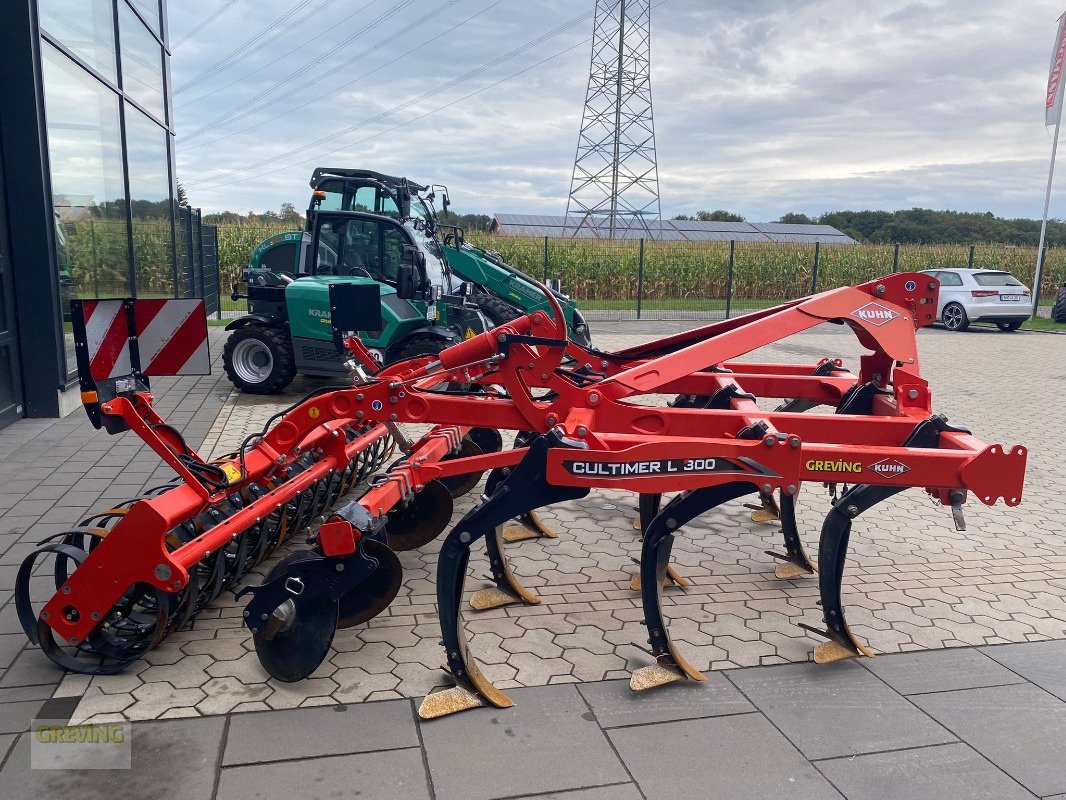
(918,226)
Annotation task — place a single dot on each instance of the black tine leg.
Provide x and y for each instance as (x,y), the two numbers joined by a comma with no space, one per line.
(521,491)
(794,561)
(654,561)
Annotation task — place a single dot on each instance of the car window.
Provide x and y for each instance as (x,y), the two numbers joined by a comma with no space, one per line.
(949,278)
(995,279)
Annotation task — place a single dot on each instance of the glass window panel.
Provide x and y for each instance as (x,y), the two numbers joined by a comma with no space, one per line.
(360,247)
(150,204)
(142,62)
(149,10)
(88,195)
(87,27)
(8,397)
(996,279)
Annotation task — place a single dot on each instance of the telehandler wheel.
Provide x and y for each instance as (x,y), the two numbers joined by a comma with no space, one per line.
(259,360)
(497,310)
(419,346)
(1058,309)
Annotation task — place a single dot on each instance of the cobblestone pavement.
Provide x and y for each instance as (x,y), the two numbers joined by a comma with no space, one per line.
(913,582)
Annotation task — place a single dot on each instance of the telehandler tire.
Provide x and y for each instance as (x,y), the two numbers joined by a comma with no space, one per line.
(259,360)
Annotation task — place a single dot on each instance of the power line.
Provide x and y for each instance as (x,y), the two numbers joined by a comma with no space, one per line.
(298,74)
(317,159)
(412,101)
(251,45)
(335,89)
(271,63)
(203,24)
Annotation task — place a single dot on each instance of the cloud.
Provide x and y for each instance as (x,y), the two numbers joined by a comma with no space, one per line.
(761,107)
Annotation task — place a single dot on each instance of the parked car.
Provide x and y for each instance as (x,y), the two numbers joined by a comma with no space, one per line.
(976,295)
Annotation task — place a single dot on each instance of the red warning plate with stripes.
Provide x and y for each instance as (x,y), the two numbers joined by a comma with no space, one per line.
(170,337)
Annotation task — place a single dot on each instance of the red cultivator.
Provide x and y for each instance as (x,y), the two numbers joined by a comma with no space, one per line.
(584,421)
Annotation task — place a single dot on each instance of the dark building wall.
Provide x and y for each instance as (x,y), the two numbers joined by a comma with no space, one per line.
(86,147)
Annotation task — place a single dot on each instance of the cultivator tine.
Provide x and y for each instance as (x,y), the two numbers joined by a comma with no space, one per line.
(794,561)
(649,505)
(508,589)
(767,510)
(672,576)
(670,665)
(833,551)
(527,526)
(523,489)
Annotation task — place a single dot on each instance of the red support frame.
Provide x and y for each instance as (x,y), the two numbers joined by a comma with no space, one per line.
(629,444)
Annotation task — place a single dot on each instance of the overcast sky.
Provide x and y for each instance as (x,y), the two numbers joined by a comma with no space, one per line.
(761,106)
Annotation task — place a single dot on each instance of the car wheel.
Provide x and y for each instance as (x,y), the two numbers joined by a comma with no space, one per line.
(954,317)
(1008,325)
(259,360)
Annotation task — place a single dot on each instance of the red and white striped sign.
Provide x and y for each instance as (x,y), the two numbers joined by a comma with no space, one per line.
(171,337)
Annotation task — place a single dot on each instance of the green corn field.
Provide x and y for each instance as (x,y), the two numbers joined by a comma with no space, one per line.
(597,273)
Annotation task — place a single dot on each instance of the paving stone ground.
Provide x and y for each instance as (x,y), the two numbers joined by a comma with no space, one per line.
(914,583)
(959,724)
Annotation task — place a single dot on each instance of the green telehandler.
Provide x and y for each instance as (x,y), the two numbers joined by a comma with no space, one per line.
(366,227)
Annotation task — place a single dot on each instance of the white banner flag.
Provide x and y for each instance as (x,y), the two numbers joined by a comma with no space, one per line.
(1053,105)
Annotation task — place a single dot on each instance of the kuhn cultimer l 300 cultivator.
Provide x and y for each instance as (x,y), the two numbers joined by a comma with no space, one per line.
(584,421)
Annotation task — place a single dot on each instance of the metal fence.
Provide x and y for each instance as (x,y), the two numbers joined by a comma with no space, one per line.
(651,279)
(209,266)
(198,262)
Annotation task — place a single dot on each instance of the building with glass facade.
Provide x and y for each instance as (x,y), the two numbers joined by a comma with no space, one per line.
(88,187)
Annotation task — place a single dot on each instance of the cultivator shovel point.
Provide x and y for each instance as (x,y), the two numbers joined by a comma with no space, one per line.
(527,526)
(127,578)
(766,511)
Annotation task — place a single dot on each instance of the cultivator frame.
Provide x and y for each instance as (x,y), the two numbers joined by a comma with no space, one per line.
(582,425)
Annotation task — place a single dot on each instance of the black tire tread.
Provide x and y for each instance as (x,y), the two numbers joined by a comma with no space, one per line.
(1058,310)
(284,360)
(497,310)
(419,345)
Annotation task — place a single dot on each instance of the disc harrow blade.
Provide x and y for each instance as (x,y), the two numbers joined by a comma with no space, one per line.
(421,519)
(294,639)
(459,485)
(376,593)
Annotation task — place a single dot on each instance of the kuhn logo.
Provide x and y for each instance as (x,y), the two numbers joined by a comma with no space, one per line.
(875,313)
(889,468)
